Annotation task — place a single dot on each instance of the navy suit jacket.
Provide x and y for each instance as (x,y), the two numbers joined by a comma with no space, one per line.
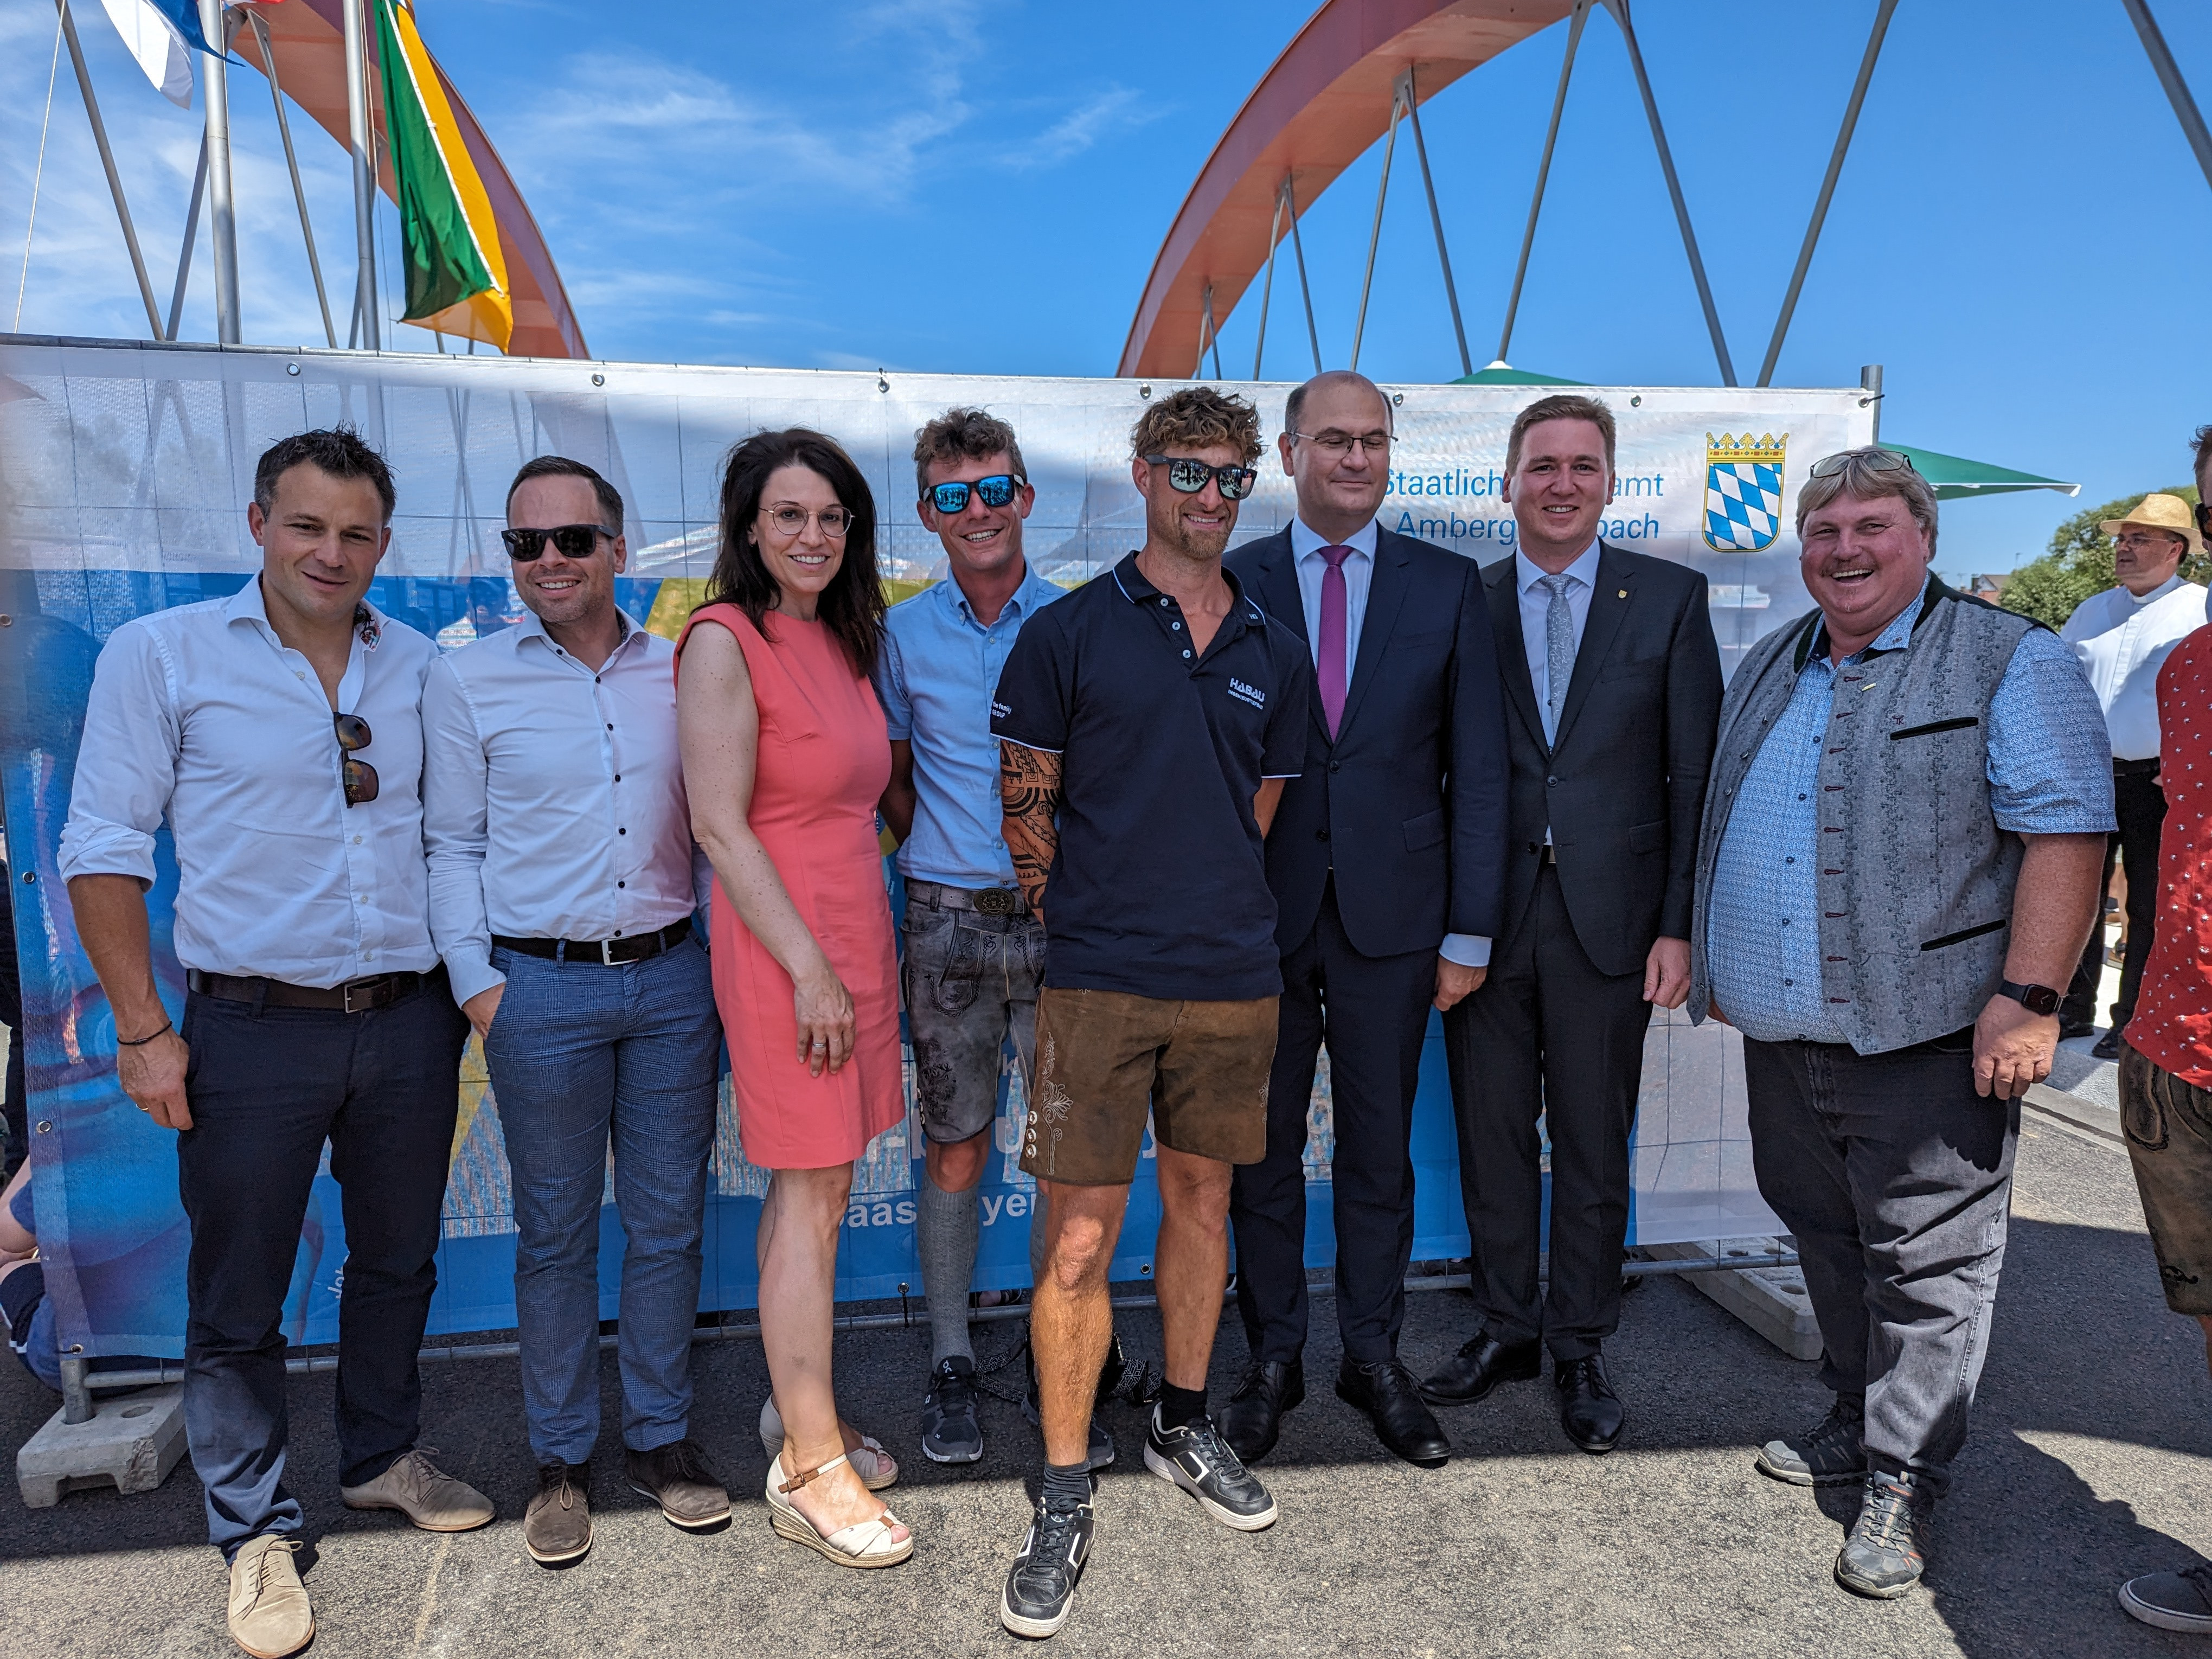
(1622,787)
(1408,800)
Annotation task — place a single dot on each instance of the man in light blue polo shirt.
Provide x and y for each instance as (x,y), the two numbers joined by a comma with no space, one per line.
(973,954)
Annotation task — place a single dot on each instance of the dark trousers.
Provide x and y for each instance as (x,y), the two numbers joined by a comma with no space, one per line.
(2139,805)
(1372,1011)
(1896,1179)
(267,1087)
(1548,1036)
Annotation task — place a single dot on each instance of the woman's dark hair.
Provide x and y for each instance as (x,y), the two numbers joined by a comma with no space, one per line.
(852,606)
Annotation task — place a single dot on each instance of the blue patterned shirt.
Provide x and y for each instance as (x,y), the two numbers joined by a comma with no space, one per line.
(2050,772)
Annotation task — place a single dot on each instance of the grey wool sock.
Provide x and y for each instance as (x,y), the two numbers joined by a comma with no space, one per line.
(946,1229)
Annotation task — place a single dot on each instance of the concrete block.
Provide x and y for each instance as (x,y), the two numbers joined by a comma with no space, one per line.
(131,1443)
(1773,1301)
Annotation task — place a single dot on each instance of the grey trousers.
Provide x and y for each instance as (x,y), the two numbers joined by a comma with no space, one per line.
(1896,1178)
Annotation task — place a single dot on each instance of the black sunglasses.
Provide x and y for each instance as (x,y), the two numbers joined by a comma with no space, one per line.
(2203,510)
(361,781)
(1190,476)
(996,490)
(573,541)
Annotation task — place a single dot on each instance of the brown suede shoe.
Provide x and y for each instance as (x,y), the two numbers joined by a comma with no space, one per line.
(677,1477)
(424,1493)
(557,1525)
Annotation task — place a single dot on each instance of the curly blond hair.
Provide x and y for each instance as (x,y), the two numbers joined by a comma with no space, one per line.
(1197,417)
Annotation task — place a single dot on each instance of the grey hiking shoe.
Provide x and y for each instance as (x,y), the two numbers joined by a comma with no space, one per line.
(2172,1601)
(1885,1555)
(1832,1453)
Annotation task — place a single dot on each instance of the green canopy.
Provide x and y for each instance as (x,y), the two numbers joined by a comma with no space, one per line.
(1502,373)
(1957,480)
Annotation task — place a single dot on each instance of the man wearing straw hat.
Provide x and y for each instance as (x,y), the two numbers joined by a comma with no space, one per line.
(2123,636)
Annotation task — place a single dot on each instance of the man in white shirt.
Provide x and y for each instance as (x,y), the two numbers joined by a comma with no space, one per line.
(562,880)
(279,733)
(2123,636)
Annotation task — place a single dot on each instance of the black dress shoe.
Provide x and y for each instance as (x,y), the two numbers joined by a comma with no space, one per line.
(1254,1416)
(1392,1402)
(2108,1046)
(2071,1028)
(1590,1411)
(1481,1363)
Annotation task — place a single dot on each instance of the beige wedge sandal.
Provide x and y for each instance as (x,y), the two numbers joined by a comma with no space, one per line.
(863,1544)
(876,1467)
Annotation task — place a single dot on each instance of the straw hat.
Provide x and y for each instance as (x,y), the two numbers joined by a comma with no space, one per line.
(2168,513)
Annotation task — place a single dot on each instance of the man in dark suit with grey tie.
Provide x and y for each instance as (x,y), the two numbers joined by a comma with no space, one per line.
(1613,683)
(1385,858)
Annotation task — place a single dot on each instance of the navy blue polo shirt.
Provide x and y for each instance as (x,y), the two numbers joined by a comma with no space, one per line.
(1159,887)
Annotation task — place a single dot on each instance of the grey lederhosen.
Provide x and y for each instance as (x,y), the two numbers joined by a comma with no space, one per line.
(1896,1178)
(2168,1124)
(971,978)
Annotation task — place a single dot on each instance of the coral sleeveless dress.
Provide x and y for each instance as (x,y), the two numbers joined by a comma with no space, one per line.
(824,760)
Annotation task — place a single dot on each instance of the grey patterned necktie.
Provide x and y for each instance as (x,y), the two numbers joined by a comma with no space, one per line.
(1559,652)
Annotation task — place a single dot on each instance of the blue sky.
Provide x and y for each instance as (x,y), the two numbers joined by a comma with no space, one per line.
(980,186)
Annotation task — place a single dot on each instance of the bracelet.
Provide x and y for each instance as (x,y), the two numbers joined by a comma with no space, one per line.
(140,1043)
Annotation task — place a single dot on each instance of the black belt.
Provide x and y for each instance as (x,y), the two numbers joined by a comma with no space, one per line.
(984,900)
(2135,769)
(356,996)
(607,952)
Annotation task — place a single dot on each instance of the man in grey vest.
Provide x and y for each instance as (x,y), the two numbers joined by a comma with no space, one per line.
(1897,870)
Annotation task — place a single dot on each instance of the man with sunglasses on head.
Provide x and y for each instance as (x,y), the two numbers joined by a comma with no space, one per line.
(1147,724)
(1896,869)
(279,734)
(562,880)
(1386,860)
(972,954)
(2122,637)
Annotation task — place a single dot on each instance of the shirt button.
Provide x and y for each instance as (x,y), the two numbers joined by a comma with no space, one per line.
(1176,626)
(1320,835)
(621,884)
(1186,655)
(622,832)
(618,780)
(1790,860)
(1789,981)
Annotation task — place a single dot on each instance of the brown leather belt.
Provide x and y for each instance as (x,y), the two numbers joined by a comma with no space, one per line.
(356,996)
(605,953)
(984,900)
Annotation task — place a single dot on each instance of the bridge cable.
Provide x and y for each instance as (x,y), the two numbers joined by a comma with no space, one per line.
(1543,173)
(1436,219)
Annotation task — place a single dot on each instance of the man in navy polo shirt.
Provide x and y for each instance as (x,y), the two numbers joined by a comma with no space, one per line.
(1146,724)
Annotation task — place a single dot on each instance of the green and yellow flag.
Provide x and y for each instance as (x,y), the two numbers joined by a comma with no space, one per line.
(456,274)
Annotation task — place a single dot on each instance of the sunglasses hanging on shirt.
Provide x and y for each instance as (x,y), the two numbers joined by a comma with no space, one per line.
(360,777)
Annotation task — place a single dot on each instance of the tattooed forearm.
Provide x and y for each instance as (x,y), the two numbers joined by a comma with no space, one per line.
(1029,796)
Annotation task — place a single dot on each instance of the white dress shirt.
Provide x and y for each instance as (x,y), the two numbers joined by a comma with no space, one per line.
(553,802)
(2123,642)
(200,716)
(1468,949)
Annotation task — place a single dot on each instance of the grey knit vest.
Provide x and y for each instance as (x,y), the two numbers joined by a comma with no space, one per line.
(1916,878)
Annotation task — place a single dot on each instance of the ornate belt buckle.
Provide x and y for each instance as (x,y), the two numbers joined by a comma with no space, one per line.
(996,901)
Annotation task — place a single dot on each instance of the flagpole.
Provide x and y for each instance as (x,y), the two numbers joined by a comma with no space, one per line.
(222,216)
(364,197)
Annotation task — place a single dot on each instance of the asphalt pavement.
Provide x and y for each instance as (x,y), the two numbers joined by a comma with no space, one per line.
(2088,1463)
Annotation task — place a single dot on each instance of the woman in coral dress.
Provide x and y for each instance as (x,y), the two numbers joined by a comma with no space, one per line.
(785,756)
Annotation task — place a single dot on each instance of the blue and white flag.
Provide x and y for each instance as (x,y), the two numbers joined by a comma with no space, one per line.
(157,33)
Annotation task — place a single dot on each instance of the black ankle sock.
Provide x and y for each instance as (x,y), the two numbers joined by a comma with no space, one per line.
(1067,1487)
(1180,1407)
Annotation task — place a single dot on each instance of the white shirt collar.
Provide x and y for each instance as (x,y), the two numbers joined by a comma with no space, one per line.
(1527,574)
(531,625)
(247,605)
(1306,540)
(2156,593)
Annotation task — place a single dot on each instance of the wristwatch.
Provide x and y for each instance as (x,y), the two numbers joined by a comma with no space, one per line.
(2036,998)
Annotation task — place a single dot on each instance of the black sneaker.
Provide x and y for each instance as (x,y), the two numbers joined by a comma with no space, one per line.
(1832,1453)
(950,1431)
(1041,1584)
(1196,1458)
(1101,1447)
(1885,1555)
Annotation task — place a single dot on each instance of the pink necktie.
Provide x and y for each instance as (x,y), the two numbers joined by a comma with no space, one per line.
(1331,665)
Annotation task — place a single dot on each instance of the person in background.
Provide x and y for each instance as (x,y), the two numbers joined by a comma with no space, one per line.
(2122,636)
(2165,1051)
(562,887)
(279,733)
(1613,682)
(1146,724)
(1386,859)
(1897,868)
(973,954)
(786,755)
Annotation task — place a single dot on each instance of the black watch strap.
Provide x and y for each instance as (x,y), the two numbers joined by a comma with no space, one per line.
(2036,998)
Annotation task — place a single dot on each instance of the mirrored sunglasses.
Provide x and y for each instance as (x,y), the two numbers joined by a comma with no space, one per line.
(997,490)
(1190,476)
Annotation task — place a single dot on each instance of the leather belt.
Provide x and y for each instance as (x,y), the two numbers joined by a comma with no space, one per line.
(606,952)
(2135,769)
(1549,855)
(984,900)
(356,996)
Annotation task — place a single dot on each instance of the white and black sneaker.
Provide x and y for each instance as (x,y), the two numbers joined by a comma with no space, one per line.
(950,1431)
(1041,1584)
(1197,1459)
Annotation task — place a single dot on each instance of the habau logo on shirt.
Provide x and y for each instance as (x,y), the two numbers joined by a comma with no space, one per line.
(1251,694)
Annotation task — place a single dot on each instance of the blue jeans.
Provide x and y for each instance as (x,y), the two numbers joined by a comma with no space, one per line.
(267,1087)
(578,1051)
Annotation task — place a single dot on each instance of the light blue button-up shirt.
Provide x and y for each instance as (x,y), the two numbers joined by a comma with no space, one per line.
(2050,772)
(935,676)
